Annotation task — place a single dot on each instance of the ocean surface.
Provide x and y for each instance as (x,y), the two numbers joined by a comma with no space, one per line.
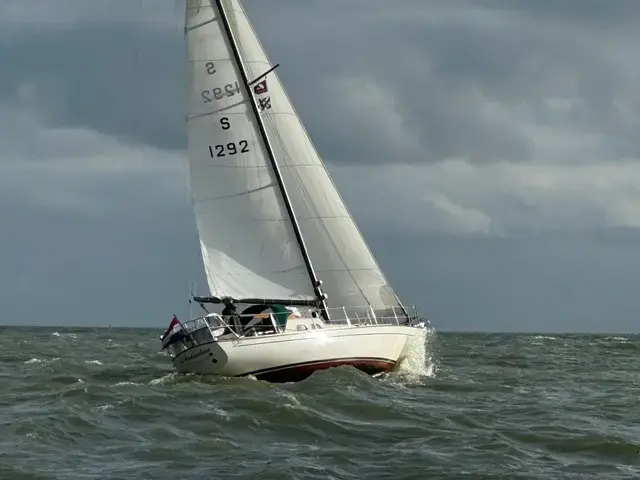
(99,404)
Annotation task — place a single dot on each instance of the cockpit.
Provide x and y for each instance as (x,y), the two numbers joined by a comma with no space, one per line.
(255,320)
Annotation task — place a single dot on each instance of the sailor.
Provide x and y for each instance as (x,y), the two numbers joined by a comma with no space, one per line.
(229,310)
(230,315)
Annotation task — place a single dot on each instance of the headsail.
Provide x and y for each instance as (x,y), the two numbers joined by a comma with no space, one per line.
(247,240)
(341,257)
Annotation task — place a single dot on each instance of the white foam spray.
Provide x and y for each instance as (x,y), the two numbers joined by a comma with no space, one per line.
(419,362)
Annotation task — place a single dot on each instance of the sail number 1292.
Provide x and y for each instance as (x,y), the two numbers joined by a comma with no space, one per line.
(231,148)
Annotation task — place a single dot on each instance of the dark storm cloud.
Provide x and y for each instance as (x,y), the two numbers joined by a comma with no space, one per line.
(468,79)
(475,81)
(118,78)
(114,243)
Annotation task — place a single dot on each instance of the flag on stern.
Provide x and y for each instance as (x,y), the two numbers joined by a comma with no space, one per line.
(174,333)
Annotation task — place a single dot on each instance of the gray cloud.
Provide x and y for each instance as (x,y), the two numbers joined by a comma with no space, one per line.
(120,79)
(622,13)
(132,266)
(549,282)
(486,81)
(92,140)
(125,258)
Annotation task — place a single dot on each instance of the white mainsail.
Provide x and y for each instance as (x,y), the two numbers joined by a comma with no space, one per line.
(340,256)
(248,244)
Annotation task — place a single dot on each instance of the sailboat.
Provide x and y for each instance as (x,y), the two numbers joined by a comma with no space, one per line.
(301,290)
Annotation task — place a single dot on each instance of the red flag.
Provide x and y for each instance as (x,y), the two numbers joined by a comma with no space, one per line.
(261,87)
(173,323)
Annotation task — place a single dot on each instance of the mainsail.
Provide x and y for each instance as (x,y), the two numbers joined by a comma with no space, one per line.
(237,196)
(246,235)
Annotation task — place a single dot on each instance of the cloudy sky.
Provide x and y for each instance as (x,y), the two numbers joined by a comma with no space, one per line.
(487,149)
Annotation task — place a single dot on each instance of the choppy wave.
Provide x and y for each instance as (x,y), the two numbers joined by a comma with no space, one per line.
(99,404)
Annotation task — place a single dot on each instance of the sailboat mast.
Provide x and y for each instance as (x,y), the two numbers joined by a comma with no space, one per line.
(274,163)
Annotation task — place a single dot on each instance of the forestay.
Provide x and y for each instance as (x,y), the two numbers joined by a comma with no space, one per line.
(248,244)
(340,255)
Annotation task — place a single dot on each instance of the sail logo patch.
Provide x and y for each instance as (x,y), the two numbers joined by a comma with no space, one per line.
(261,87)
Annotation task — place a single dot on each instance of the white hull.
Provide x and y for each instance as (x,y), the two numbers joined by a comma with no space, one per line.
(292,356)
